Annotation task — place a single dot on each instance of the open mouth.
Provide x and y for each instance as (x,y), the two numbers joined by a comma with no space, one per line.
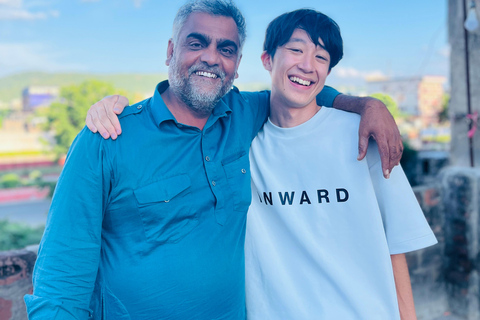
(305,83)
(206,74)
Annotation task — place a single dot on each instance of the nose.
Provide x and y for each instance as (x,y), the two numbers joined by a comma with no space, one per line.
(210,56)
(306,64)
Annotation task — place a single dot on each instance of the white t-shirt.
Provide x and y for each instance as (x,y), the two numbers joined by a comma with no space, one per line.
(322,225)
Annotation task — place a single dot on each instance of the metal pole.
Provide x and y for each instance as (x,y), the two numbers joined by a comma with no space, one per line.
(467,72)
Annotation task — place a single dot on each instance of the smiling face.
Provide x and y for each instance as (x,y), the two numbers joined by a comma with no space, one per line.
(298,70)
(203,63)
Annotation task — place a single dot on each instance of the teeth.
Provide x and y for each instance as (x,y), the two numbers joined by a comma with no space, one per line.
(206,74)
(300,81)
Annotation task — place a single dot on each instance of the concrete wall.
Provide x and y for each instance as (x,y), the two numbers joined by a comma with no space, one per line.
(458,101)
(445,278)
(15,281)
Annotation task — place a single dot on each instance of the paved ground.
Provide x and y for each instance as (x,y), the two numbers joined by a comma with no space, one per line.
(33,212)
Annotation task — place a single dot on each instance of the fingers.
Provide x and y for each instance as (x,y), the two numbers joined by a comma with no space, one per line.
(384,151)
(105,116)
(98,116)
(396,152)
(118,107)
(101,116)
(120,104)
(362,146)
(89,123)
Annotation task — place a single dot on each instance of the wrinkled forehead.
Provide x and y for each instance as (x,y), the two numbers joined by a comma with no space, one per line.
(214,27)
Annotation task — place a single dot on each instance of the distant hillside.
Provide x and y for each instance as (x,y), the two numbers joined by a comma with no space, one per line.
(11,86)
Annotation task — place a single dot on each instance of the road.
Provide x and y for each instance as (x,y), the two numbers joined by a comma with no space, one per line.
(32,213)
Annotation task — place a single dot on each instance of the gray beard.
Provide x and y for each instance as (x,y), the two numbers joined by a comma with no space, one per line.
(200,101)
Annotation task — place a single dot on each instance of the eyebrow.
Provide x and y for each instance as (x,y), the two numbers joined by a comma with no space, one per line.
(303,41)
(297,40)
(202,37)
(222,43)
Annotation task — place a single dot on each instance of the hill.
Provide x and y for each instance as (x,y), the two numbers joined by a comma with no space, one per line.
(11,86)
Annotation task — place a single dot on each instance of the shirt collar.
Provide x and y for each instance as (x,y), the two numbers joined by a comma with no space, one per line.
(161,112)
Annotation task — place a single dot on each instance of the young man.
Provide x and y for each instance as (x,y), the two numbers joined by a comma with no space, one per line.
(326,234)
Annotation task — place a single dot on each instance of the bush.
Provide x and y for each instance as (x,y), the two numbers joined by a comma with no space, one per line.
(10,180)
(17,236)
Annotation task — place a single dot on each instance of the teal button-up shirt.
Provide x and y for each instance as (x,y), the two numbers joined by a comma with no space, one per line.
(152,225)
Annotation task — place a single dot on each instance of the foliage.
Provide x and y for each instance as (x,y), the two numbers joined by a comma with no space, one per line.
(443,115)
(10,180)
(390,103)
(17,236)
(12,85)
(66,117)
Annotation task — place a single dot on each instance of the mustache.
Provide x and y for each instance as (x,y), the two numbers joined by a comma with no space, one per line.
(204,67)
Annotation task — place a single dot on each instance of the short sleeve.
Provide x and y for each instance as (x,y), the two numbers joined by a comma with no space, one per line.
(326,97)
(259,104)
(405,225)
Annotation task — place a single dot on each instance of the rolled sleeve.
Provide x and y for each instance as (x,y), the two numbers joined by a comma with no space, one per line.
(69,253)
(327,96)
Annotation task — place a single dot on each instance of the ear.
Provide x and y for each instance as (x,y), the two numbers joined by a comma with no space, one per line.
(267,61)
(238,64)
(169,51)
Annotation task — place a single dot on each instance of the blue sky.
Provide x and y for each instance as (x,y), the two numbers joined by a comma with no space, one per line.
(388,37)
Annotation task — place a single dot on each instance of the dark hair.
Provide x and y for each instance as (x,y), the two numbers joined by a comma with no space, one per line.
(316,25)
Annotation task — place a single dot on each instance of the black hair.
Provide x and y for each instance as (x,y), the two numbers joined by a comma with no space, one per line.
(316,25)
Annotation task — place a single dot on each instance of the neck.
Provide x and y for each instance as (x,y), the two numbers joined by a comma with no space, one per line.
(182,112)
(285,116)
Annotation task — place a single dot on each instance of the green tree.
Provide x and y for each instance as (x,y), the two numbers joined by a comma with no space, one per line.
(390,103)
(443,115)
(66,116)
(17,236)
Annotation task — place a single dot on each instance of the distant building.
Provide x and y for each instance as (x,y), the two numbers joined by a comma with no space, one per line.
(38,96)
(417,96)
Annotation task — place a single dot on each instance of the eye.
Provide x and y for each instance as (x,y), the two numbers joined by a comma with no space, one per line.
(227,51)
(296,50)
(195,45)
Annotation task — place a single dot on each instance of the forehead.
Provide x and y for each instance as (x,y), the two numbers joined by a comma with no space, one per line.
(301,36)
(215,27)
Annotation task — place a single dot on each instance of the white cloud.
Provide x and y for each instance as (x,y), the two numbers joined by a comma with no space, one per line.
(352,73)
(16,10)
(18,57)
(11,3)
(136,3)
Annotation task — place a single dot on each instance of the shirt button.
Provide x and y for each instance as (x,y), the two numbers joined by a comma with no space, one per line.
(244,171)
(207,158)
(139,107)
(214,183)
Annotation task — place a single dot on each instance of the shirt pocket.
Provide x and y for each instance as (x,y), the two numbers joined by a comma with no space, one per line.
(238,176)
(166,212)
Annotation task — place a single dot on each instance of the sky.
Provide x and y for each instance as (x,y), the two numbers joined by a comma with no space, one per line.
(381,37)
